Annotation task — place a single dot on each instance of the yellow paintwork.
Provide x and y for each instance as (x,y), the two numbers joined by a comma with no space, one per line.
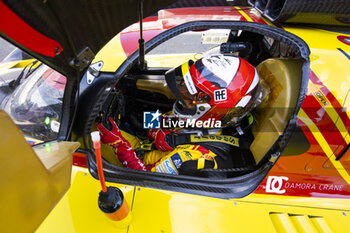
(171,60)
(33,179)
(325,146)
(331,67)
(176,212)
(282,223)
(112,55)
(78,210)
(331,111)
(164,211)
(328,63)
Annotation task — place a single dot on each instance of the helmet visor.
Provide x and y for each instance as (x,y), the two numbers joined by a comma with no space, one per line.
(180,82)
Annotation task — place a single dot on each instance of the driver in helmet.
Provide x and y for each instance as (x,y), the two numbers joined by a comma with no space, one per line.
(219,87)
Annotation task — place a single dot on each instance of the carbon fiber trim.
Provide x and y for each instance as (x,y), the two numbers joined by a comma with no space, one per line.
(326,12)
(215,187)
(201,3)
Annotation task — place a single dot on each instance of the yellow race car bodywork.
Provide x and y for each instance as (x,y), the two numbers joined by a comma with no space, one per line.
(297,210)
(164,211)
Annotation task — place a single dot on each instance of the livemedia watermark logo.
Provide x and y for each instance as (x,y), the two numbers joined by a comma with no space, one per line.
(325,119)
(151,120)
(154,120)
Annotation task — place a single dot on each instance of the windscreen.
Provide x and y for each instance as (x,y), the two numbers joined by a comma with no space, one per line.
(32,94)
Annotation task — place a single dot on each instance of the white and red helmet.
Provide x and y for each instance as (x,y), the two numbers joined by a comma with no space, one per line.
(220,87)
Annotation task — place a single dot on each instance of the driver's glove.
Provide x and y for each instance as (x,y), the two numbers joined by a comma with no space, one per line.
(121,146)
(159,136)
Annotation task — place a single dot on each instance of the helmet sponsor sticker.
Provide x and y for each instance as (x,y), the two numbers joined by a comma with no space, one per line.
(223,67)
(220,95)
(189,84)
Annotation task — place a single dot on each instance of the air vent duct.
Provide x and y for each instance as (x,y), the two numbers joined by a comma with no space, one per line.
(327,12)
(284,222)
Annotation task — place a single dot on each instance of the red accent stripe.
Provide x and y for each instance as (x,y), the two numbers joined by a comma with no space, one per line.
(335,103)
(310,137)
(328,129)
(79,159)
(243,78)
(129,40)
(254,17)
(18,30)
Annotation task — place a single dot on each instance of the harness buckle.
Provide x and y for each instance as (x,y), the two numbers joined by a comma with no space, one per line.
(146,146)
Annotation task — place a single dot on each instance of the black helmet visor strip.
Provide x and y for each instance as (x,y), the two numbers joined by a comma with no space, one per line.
(175,81)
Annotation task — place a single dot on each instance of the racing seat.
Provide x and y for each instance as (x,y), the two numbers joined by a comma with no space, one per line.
(283,77)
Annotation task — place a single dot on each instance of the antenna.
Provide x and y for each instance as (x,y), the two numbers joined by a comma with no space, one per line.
(142,62)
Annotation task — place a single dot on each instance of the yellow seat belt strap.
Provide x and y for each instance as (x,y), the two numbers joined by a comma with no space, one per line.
(201,163)
(215,138)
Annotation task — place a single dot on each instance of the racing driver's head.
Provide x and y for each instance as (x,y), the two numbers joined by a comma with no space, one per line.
(220,87)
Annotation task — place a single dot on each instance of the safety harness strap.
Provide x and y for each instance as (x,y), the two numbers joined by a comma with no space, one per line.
(215,138)
(181,139)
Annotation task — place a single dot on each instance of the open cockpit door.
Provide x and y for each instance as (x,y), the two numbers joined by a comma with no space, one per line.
(32,179)
(66,34)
